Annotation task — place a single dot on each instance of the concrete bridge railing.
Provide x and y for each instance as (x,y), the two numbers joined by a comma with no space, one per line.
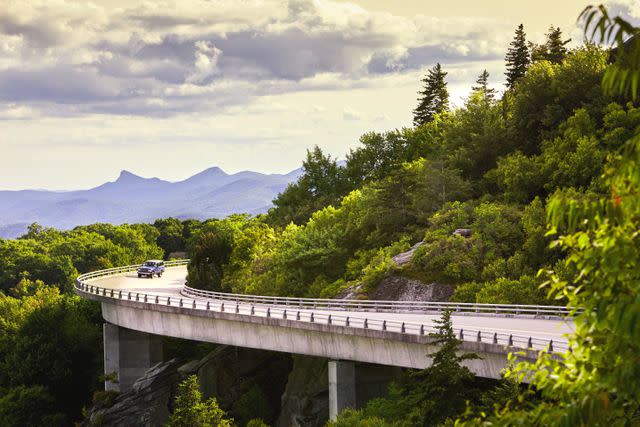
(307,310)
(541,311)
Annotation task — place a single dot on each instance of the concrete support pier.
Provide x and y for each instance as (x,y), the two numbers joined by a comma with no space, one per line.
(342,387)
(128,355)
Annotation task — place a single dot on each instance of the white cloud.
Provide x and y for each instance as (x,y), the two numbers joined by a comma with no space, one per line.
(206,61)
(350,114)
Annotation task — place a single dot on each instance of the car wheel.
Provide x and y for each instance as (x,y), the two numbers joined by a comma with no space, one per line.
(139,275)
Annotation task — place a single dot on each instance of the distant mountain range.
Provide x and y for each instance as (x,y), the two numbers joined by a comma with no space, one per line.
(211,193)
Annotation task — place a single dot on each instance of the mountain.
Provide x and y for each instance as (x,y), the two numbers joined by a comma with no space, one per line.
(211,193)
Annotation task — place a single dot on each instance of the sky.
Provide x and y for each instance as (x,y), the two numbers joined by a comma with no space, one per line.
(169,88)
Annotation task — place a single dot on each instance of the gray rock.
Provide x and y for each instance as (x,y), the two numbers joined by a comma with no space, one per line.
(146,404)
(405,257)
(464,232)
(305,401)
(352,292)
(398,288)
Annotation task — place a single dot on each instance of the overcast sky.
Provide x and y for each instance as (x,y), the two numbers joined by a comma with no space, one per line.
(168,88)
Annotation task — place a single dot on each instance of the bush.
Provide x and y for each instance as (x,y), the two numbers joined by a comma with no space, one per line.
(447,259)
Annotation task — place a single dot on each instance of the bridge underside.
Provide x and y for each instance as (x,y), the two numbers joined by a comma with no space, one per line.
(311,339)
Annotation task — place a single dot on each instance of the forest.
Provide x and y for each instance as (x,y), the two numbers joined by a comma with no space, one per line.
(544,174)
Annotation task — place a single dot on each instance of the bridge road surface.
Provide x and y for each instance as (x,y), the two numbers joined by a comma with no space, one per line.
(172,281)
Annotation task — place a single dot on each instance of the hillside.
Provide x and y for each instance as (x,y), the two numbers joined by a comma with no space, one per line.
(130,198)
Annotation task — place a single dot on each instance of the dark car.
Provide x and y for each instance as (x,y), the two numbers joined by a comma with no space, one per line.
(151,267)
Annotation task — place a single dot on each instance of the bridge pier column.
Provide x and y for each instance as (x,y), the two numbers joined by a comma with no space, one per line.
(128,354)
(342,387)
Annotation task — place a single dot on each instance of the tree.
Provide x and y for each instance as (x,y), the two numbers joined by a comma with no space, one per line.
(171,238)
(553,50)
(555,46)
(517,58)
(427,397)
(211,252)
(487,93)
(191,411)
(321,184)
(434,97)
(29,407)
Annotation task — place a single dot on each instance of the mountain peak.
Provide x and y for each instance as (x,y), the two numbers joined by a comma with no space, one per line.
(125,175)
(213,171)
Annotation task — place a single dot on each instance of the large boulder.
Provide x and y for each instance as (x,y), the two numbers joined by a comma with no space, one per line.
(146,404)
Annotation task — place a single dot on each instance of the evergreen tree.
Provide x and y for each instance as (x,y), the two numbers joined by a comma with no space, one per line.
(443,389)
(555,46)
(191,411)
(517,57)
(483,88)
(434,98)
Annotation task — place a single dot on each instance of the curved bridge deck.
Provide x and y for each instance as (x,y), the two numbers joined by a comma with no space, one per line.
(163,306)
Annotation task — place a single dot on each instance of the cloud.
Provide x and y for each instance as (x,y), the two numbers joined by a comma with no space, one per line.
(350,114)
(206,61)
(159,58)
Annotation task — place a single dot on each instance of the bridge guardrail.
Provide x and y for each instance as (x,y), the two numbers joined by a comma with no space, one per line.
(384,306)
(302,310)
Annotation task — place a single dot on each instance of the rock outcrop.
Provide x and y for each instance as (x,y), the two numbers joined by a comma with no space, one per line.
(305,401)
(399,288)
(145,405)
(405,257)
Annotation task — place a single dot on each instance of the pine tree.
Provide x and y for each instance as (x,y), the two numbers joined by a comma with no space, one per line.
(555,46)
(434,98)
(483,88)
(517,58)
(191,411)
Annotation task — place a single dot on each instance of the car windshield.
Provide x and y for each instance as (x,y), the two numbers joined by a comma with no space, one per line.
(149,264)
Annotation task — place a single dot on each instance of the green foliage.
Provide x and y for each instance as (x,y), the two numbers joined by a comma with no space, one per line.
(524,290)
(29,407)
(353,418)
(58,257)
(550,93)
(190,411)
(209,255)
(173,234)
(474,137)
(593,384)
(497,233)
(427,397)
(622,77)
(553,50)
(434,96)
(488,94)
(252,404)
(322,183)
(63,359)
(256,422)
(517,58)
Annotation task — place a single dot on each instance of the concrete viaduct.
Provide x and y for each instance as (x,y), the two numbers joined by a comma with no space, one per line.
(394,333)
